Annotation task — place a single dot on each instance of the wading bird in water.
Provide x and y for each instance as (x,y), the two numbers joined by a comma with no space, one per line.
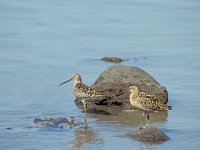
(146,102)
(83,91)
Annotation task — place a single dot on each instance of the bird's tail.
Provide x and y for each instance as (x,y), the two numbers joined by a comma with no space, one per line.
(169,107)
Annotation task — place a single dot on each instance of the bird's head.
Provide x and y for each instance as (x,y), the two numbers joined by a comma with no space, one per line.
(134,90)
(76,77)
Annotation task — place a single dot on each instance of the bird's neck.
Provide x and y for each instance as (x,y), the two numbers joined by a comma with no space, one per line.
(77,81)
(134,94)
(133,97)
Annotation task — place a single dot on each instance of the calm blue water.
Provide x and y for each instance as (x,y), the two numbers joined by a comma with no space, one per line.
(42,43)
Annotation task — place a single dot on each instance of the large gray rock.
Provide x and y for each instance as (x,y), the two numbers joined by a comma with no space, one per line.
(115,81)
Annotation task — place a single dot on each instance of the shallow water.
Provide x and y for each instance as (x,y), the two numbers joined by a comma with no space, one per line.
(43,43)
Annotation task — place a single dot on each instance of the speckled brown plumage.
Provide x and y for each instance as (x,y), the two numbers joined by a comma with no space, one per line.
(82,90)
(145,101)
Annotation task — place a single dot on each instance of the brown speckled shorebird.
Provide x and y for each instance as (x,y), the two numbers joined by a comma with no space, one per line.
(146,102)
(81,90)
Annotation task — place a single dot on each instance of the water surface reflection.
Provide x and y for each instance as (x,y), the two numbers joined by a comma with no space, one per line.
(85,136)
(126,117)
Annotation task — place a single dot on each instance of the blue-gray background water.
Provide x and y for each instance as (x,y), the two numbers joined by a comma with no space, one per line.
(42,43)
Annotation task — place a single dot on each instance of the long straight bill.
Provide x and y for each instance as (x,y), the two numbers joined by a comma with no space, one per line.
(65,82)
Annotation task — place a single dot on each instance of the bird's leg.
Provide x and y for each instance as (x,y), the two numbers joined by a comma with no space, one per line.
(147,119)
(85,109)
(141,120)
(85,120)
(84,104)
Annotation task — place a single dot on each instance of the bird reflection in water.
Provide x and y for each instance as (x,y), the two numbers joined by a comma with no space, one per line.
(85,120)
(85,136)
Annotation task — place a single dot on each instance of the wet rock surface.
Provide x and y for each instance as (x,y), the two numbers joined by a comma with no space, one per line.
(115,81)
(149,135)
(60,122)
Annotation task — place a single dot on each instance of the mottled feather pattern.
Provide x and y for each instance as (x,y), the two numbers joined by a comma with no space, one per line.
(151,103)
(81,90)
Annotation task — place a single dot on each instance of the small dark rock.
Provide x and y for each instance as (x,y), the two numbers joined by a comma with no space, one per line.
(149,135)
(113,59)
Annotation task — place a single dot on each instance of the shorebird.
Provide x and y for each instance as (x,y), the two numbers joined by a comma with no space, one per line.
(146,102)
(81,90)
